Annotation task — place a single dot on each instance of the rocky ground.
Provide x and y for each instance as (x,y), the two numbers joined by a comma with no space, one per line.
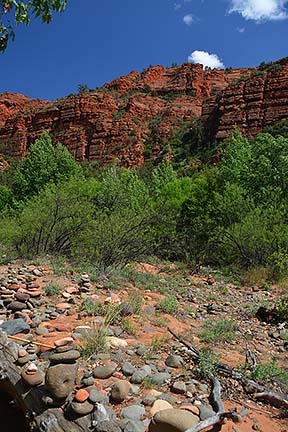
(103,348)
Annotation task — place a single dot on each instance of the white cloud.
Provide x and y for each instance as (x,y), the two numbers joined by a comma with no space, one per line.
(260,10)
(206,59)
(241,29)
(188,19)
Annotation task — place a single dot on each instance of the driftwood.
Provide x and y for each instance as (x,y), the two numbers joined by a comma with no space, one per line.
(277,399)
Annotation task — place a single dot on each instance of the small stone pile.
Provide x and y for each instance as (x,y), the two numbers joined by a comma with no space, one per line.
(85,284)
(62,371)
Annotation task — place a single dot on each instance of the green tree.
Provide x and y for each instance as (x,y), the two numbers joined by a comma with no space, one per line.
(14,12)
(43,164)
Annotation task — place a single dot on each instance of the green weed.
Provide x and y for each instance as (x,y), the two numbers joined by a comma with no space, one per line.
(52,289)
(219,331)
(169,304)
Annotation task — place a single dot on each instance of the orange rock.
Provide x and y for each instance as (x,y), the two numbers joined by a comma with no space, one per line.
(63,306)
(64,341)
(81,395)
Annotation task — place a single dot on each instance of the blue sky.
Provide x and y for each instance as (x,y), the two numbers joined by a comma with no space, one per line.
(95,41)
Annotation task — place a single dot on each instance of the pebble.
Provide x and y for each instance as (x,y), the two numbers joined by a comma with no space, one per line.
(117,342)
(128,369)
(95,396)
(173,420)
(174,361)
(60,379)
(82,408)
(148,400)
(120,391)
(41,331)
(133,412)
(104,372)
(81,395)
(15,326)
(21,296)
(160,405)
(37,272)
(16,306)
(32,379)
(205,412)
(178,387)
(65,357)
(108,426)
(22,352)
(133,426)
(160,378)
(64,342)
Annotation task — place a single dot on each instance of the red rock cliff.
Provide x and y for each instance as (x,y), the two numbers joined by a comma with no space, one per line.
(249,104)
(119,121)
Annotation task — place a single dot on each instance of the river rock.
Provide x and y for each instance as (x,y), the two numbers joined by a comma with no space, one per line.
(16,306)
(104,372)
(120,391)
(173,420)
(160,378)
(128,369)
(60,379)
(32,379)
(81,395)
(174,361)
(160,405)
(133,412)
(178,387)
(15,326)
(82,408)
(64,357)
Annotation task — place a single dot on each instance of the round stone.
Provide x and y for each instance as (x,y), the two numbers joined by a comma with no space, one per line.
(96,396)
(173,420)
(21,296)
(133,412)
(160,405)
(174,361)
(120,391)
(22,352)
(81,395)
(16,306)
(104,372)
(179,387)
(128,369)
(32,379)
(60,379)
(160,378)
(83,408)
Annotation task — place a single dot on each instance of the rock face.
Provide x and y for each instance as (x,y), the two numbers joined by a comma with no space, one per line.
(249,104)
(130,118)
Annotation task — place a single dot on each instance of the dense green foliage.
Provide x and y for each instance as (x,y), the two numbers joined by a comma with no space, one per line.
(231,214)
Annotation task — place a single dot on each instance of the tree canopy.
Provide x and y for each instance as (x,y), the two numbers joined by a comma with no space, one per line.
(13,12)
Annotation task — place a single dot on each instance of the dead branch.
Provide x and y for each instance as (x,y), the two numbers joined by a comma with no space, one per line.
(277,399)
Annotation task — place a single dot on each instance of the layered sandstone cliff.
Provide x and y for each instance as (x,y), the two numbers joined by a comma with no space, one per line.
(250,104)
(118,121)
